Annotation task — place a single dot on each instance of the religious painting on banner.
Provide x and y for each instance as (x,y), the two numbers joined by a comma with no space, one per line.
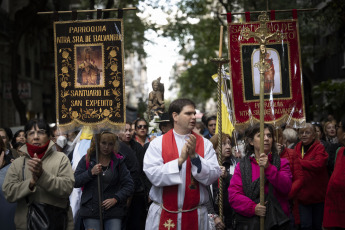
(283,87)
(89,74)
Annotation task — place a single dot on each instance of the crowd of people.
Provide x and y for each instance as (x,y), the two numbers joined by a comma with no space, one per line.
(131,180)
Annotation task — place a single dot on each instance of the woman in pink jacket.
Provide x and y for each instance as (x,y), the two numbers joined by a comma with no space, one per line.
(244,189)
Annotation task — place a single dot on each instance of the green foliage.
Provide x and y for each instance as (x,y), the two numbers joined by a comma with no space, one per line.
(329,98)
(134,27)
(196,27)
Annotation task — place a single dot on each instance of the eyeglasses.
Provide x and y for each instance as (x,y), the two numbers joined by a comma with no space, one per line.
(142,126)
(40,133)
(305,132)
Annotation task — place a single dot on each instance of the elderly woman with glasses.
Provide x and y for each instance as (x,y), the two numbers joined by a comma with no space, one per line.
(116,183)
(141,129)
(42,175)
(313,159)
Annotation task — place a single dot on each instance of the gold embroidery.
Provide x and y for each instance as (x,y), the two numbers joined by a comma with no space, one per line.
(169,224)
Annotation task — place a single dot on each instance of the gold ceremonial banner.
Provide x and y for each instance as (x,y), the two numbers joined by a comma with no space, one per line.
(89,74)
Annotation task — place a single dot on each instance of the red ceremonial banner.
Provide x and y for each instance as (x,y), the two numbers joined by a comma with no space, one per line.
(284,97)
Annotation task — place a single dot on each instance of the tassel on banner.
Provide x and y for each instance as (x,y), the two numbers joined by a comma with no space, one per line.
(228,17)
(273,15)
(247,16)
(294,14)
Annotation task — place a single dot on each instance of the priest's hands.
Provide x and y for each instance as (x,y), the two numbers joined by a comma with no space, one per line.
(188,149)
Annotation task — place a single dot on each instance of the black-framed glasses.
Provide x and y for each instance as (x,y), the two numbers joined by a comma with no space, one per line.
(40,133)
(142,126)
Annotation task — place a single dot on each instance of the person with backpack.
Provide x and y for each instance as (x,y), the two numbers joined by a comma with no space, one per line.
(116,183)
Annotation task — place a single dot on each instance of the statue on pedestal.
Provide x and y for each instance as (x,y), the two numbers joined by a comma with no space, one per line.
(156,99)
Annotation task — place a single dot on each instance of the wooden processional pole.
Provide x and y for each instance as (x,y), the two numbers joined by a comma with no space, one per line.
(262,35)
(99,187)
(220,61)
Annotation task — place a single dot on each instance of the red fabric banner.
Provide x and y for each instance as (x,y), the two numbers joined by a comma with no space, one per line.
(284,97)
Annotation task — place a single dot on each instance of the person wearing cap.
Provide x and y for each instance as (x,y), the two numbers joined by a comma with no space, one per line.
(164,123)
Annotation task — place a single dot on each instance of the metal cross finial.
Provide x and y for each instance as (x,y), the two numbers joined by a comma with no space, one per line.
(262,33)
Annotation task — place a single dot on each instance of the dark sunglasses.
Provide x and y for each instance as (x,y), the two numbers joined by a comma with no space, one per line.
(142,126)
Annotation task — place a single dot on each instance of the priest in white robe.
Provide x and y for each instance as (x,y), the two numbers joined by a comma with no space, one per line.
(180,164)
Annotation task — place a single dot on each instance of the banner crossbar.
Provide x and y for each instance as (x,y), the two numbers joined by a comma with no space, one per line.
(86,11)
(268,11)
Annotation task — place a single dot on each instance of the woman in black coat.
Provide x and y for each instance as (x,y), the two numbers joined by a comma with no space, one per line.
(228,167)
(116,183)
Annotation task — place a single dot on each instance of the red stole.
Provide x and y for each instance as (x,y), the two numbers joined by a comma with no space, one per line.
(170,193)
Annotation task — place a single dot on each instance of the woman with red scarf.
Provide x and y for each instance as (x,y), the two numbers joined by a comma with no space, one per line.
(43,175)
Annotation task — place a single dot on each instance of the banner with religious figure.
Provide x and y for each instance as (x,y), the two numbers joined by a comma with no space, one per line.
(283,86)
(89,74)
